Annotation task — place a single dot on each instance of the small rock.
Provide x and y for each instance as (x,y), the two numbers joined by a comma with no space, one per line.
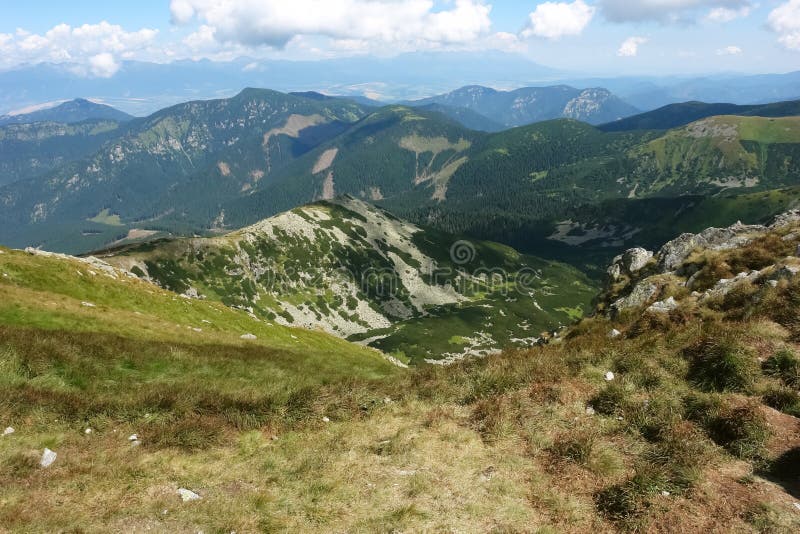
(665,493)
(614,333)
(87,431)
(48,457)
(133,437)
(8,430)
(87,305)
(326,419)
(247,336)
(387,400)
(797,505)
(609,376)
(197,329)
(188,495)
(590,410)
(773,283)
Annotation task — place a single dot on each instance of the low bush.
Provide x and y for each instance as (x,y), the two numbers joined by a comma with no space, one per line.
(722,363)
(743,430)
(784,365)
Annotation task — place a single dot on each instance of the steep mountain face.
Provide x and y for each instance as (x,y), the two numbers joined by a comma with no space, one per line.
(77,110)
(357,272)
(28,150)
(677,115)
(535,104)
(225,146)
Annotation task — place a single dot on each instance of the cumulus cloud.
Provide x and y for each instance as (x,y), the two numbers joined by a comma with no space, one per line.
(630,46)
(103,65)
(274,23)
(553,20)
(729,51)
(785,21)
(92,49)
(725,14)
(667,11)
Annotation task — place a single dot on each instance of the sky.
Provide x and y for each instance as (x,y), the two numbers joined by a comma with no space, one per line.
(594,37)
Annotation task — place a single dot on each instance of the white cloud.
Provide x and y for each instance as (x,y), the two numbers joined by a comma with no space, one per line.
(630,46)
(665,11)
(729,51)
(553,20)
(103,65)
(785,21)
(275,23)
(92,49)
(725,14)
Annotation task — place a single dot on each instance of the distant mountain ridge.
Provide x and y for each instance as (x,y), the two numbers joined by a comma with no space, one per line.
(677,115)
(73,111)
(528,105)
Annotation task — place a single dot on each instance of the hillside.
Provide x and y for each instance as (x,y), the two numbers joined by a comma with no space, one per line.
(69,112)
(534,104)
(359,273)
(679,412)
(231,144)
(677,115)
(28,150)
(208,167)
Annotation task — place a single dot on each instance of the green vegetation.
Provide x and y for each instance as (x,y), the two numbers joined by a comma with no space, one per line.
(297,430)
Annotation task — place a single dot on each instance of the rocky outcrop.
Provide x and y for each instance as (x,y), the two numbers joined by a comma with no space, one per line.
(671,266)
(674,254)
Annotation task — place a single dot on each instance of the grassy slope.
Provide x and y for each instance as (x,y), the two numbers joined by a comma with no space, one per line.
(503,443)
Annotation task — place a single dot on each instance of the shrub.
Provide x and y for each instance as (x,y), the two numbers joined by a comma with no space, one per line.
(624,502)
(743,430)
(784,365)
(784,399)
(722,363)
(575,446)
(610,400)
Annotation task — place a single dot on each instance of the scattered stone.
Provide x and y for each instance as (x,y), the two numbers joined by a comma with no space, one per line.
(665,493)
(87,431)
(9,430)
(773,283)
(188,495)
(48,457)
(590,410)
(197,329)
(797,505)
(133,437)
(326,419)
(614,333)
(387,400)
(609,376)
(248,336)
(87,305)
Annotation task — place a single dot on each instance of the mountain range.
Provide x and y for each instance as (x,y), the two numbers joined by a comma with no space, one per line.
(405,77)
(553,187)
(528,105)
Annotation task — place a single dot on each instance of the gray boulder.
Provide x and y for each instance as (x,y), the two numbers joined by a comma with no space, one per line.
(642,292)
(633,260)
(665,306)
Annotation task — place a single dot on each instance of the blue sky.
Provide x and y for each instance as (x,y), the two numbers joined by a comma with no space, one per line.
(604,37)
